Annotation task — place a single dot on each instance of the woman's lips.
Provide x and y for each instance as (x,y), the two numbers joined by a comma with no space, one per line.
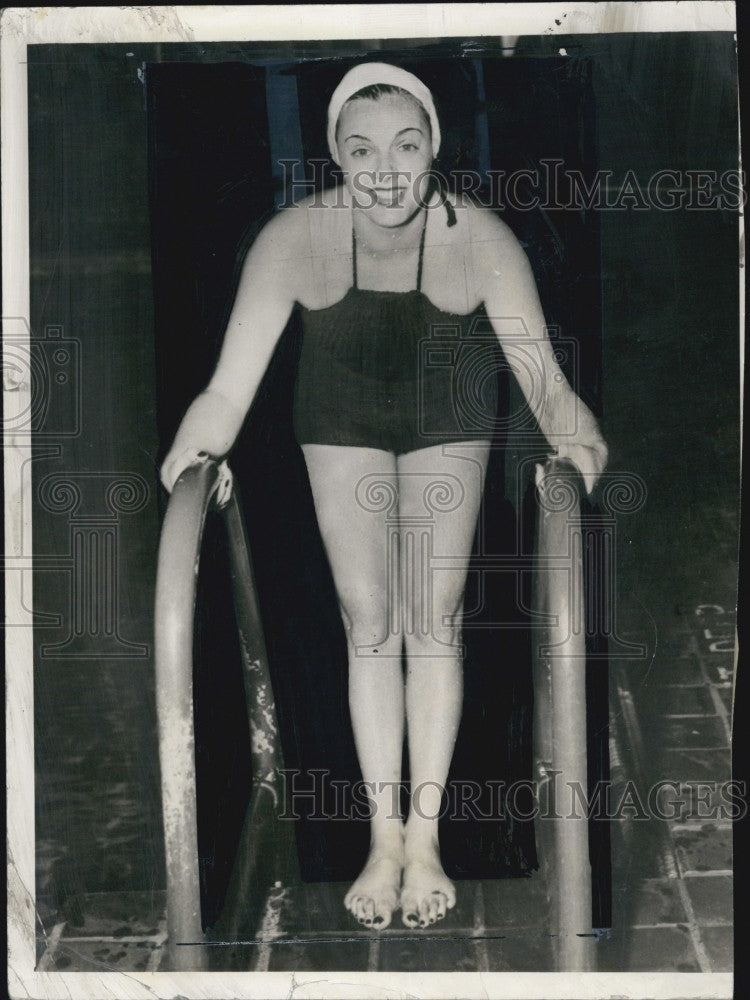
(389,196)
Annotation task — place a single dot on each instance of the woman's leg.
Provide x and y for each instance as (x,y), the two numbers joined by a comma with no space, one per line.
(354,533)
(440,491)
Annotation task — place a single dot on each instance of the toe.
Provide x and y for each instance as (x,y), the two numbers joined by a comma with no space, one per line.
(406,901)
(424,913)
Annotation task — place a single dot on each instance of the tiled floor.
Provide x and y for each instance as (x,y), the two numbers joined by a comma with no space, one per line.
(121,930)
(672,882)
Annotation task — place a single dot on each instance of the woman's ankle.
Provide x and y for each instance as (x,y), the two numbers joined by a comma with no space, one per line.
(388,836)
(420,833)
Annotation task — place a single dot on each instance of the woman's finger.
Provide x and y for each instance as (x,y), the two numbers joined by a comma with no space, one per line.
(224,489)
(589,461)
(166,475)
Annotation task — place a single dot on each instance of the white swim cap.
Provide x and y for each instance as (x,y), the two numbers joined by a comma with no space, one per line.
(369,75)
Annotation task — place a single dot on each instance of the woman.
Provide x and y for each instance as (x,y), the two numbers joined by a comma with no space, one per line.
(377,268)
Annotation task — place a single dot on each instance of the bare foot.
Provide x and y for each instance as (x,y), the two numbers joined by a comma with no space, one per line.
(427,893)
(374,895)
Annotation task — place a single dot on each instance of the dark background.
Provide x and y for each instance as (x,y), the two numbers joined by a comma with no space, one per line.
(196,146)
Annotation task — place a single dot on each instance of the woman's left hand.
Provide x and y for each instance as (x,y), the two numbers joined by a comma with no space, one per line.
(589,459)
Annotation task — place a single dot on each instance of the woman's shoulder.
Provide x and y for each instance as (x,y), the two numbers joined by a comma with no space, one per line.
(490,248)
(479,224)
(282,234)
(300,228)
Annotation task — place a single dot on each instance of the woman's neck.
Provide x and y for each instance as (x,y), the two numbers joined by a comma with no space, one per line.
(376,239)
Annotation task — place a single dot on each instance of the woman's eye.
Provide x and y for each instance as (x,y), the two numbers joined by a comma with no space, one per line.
(408,147)
(359,152)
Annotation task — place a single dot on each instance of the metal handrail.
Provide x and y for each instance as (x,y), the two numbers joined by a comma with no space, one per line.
(194,494)
(560,745)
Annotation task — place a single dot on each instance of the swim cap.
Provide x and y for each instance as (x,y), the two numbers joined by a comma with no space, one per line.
(369,75)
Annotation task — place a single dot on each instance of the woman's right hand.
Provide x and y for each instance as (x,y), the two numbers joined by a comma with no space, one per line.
(178,460)
(208,430)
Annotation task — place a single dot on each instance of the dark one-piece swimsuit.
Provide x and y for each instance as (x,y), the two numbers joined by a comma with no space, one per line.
(389,370)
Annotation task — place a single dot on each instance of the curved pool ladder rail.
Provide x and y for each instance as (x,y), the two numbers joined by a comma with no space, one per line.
(560,744)
(193,496)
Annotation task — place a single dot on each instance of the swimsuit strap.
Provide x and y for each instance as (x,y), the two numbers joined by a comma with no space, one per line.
(421,253)
(354,258)
(419,266)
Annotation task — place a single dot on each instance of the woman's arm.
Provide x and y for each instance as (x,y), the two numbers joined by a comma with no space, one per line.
(264,301)
(512,303)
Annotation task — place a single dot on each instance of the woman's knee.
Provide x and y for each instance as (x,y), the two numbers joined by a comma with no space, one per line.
(370,621)
(435,629)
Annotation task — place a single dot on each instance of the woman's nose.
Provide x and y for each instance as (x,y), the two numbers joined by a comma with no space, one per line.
(387,168)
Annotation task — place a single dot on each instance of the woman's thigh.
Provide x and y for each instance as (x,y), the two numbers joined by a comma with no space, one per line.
(440,497)
(355,493)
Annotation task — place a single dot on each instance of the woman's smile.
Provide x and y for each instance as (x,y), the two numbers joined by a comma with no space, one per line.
(389,196)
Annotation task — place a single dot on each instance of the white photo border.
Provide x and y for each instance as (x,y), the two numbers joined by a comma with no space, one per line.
(27,26)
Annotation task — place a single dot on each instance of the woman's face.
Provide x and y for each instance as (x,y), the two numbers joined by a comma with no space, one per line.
(385,151)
